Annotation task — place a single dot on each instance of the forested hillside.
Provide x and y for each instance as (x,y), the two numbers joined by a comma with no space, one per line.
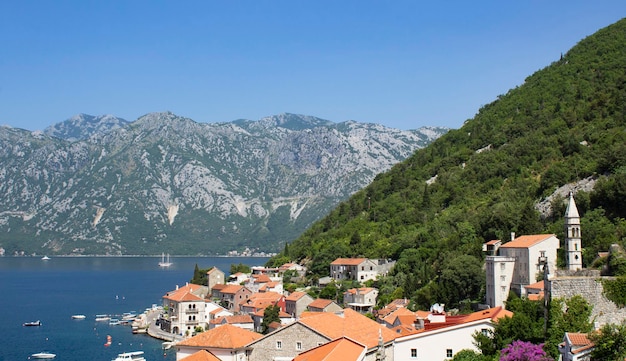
(483,181)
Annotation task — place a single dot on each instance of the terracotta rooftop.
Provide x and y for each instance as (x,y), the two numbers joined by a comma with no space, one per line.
(342,349)
(348,261)
(578,339)
(535,286)
(351,324)
(295,296)
(526,241)
(231,289)
(232,319)
(361,290)
(202,355)
(493,242)
(227,336)
(185,293)
(320,303)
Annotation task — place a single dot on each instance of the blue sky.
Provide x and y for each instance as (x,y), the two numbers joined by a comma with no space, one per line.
(404,64)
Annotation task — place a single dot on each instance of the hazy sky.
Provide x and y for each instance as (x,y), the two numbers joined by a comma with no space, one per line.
(404,64)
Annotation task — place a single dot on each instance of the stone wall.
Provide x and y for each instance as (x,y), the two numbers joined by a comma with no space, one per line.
(588,284)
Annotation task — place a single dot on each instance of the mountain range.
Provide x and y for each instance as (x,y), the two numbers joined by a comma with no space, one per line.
(164,183)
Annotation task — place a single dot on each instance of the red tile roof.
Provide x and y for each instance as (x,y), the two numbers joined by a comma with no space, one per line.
(295,296)
(342,349)
(351,324)
(348,261)
(232,319)
(231,289)
(526,241)
(320,303)
(227,336)
(184,293)
(202,355)
(493,242)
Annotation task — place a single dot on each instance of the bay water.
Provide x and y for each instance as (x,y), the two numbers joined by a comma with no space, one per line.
(51,291)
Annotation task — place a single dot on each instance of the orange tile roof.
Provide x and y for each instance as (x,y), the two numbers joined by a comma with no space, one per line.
(579,339)
(231,289)
(213,270)
(494,314)
(526,241)
(320,303)
(227,336)
(535,296)
(349,261)
(262,278)
(202,355)
(233,319)
(340,349)
(405,316)
(352,324)
(492,242)
(184,293)
(404,330)
(535,286)
(219,286)
(295,296)
(362,290)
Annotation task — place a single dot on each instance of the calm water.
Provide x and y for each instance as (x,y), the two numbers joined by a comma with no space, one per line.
(52,291)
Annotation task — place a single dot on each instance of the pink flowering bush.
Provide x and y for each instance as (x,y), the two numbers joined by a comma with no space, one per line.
(523,351)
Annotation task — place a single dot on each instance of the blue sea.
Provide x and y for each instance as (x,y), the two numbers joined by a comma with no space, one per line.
(52,291)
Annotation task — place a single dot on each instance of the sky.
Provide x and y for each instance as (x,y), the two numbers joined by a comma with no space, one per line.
(403,64)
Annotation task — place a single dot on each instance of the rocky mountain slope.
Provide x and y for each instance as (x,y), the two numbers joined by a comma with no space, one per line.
(164,183)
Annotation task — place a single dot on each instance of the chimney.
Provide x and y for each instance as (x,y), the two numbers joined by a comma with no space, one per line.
(512,236)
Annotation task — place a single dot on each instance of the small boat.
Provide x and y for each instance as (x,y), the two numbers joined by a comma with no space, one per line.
(45,258)
(109,341)
(165,262)
(114,321)
(130,356)
(43,355)
(78,317)
(103,317)
(34,323)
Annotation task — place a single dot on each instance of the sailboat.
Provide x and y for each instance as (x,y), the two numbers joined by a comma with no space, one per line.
(165,262)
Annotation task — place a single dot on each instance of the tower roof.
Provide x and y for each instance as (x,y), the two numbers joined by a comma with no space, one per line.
(571,211)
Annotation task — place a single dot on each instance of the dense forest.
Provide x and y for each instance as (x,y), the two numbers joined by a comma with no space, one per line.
(433,212)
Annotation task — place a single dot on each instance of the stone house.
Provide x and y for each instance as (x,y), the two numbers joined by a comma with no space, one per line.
(359,269)
(323,305)
(228,343)
(314,329)
(361,299)
(214,277)
(296,303)
(232,296)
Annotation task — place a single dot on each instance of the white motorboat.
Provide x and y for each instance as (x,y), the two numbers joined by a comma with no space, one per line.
(165,262)
(130,356)
(43,355)
(79,317)
(103,317)
(45,258)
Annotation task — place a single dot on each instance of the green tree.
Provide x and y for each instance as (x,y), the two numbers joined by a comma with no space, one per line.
(270,314)
(610,343)
(234,268)
(462,279)
(470,355)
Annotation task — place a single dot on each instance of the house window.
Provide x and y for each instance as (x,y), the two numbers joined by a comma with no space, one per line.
(298,345)
(485,332)
(362,276)
(502,266)
(449,353)
(502,278)
(413,353)
(279,345)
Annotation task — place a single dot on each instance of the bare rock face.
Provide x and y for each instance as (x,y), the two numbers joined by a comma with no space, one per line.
(170,184)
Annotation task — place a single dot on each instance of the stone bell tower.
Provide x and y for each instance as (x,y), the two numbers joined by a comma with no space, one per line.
(573,246)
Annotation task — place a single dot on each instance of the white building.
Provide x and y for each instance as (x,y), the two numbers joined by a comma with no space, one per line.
(499,272)
(185,309)
(573,244)
(443,336)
